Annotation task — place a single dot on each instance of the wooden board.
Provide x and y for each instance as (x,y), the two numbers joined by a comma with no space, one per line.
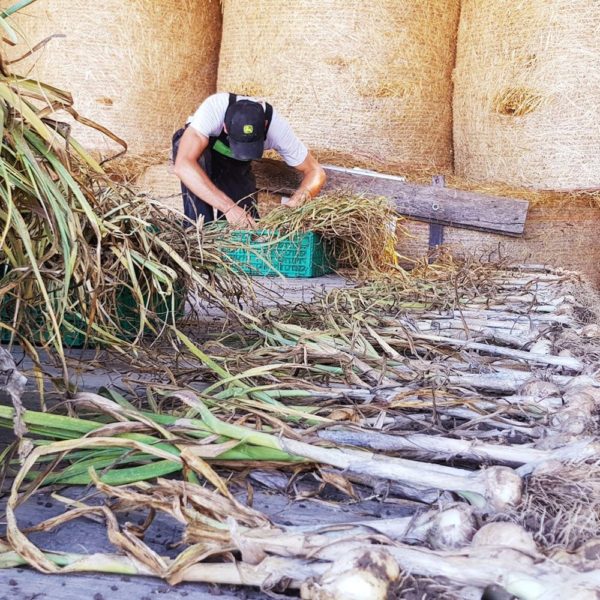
(432,204)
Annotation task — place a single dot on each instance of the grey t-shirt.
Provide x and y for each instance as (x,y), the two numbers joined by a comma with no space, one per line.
(208,121)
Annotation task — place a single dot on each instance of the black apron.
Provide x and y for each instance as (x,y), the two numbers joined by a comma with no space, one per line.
(233,177)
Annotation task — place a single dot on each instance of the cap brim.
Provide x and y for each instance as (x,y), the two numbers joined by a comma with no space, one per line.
(247,150)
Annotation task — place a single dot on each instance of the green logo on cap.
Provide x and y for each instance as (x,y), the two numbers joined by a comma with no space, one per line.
(248,129)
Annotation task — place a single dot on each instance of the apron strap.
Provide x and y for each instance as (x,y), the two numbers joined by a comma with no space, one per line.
(268,117)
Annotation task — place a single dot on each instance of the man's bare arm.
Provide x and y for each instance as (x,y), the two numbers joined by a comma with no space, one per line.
(191,147)
(312,181)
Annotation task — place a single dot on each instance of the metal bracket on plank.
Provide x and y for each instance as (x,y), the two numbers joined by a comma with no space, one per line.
(436,230)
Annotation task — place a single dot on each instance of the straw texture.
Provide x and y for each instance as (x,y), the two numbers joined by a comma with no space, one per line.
(138,67)
(368,82)
(527,83)
(161,184)
(558,234)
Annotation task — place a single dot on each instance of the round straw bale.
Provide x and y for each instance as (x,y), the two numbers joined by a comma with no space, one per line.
(526,88)
(138,68)
(161,184)
(555,235)
(361,83)
(565,237)
(561,230)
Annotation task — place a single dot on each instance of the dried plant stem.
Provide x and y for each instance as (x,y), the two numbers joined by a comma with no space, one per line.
(436,446)
(559,361)
(272,569)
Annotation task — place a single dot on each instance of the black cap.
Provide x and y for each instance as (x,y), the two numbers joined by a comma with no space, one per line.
(245,122)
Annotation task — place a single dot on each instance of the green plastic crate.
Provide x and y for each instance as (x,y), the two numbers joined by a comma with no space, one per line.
(163,309)
(73,328)
(301,255)
(71,338)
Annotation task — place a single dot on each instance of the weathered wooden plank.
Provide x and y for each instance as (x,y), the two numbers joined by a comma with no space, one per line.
(458,208)
(443,205)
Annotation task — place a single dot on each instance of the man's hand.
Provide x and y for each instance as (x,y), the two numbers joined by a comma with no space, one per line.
(313,179)
(301,195)
(238,218)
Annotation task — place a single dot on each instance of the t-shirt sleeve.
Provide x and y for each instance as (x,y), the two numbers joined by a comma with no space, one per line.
(283,140)
(208,119)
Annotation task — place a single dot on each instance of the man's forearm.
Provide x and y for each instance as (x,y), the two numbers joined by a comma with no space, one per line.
(198,182)
(310,186)
(313,181)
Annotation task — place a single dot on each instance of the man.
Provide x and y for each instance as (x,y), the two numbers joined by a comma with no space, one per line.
(213,155)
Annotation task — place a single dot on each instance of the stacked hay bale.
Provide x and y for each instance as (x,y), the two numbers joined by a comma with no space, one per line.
(527,83)
(361,83)
(526,113)
(561,231)
(562,234)
(138,68)
(160,183)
